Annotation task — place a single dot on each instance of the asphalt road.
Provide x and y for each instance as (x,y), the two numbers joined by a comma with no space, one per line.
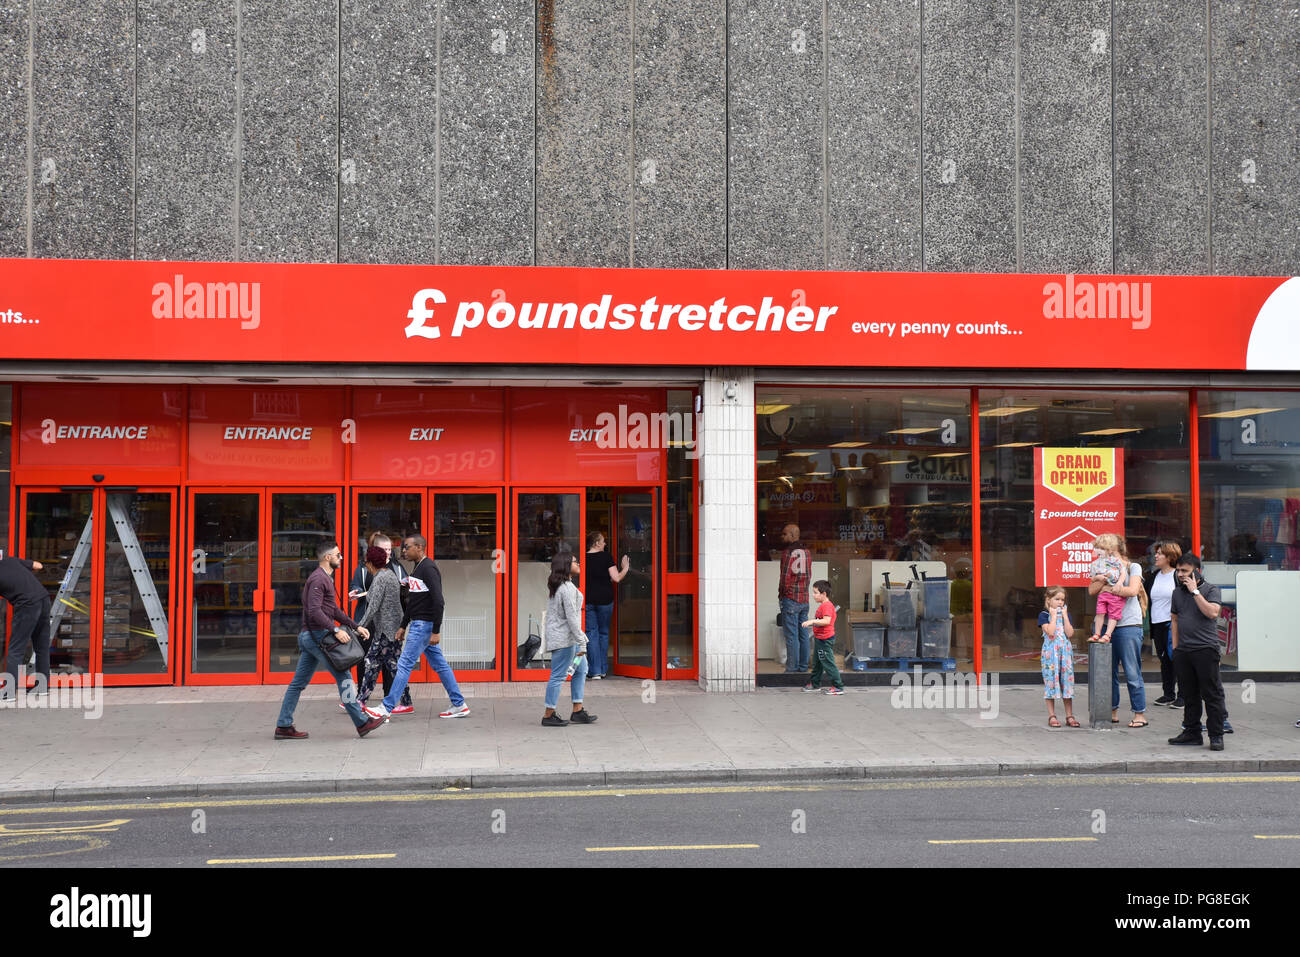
(1242,820)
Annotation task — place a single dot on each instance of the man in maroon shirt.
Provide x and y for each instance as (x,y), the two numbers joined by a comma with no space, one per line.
(792,595)
(320,609)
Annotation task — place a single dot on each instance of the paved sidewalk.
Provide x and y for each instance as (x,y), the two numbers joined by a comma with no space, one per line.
(192,741)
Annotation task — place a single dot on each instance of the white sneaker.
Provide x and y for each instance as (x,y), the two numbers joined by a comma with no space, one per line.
(378,711)
(461,712)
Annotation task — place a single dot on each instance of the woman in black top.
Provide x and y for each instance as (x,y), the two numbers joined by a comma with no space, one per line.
(602,576)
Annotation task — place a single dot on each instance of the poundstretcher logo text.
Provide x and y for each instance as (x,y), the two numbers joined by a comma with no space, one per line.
(650,315)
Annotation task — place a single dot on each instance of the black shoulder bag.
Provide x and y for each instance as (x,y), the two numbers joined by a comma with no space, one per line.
(342,656)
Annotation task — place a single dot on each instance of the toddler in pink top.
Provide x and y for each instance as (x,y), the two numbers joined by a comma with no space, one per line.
(1108,568)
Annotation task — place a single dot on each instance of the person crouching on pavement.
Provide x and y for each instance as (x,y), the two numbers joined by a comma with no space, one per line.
(320,610)
(566,642)
(31,624)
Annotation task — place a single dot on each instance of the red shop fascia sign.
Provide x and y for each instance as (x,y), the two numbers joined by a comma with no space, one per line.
(260,312)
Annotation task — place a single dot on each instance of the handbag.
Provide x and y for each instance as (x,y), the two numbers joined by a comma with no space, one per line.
(342,656)
(529,648)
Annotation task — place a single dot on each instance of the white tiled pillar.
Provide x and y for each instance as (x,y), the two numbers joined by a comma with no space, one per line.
(727,532)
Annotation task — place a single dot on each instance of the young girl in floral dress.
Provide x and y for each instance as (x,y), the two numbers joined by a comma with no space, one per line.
(1058,656)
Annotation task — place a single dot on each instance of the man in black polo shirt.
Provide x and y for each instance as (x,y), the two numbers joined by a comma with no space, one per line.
(1195,634)
(31,627)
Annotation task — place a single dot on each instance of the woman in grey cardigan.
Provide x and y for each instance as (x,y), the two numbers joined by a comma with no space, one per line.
(566,642)
(383,617)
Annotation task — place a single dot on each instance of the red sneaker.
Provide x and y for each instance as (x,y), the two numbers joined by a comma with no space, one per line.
(403,709)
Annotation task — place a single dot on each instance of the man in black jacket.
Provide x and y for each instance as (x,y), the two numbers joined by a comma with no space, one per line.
(31,627)
(422,627)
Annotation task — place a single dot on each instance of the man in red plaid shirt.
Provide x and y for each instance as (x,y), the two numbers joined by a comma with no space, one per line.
(792,594)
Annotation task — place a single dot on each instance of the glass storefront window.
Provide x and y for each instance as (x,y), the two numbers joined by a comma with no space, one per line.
(464,546)
(396,514)
(137,583)
(681,474)
(1250,503)
(60,530)
(1152,430)
(878,482)
(547,523)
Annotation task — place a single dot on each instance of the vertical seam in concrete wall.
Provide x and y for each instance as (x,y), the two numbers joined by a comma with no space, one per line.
(1209,140)
(726,134)
(239,117)
(1015,109)
(338,135)
(135,113)
(1113,156)
(437,135)
(631,148)
(536,150)
(31,118)
(826,132)
(920,125)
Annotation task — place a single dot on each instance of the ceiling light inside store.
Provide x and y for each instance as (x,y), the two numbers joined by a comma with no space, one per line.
(894,462)
(770,409)
(1109,431)
(847,445)
(1016,445)
(1238,413)
(948,455)
(932,403)
(912,431)
(1006,410)
(799,455)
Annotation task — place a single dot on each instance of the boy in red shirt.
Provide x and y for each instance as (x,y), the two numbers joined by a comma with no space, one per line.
(823,626)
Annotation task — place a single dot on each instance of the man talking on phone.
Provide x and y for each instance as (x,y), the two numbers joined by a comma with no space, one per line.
(1194,630)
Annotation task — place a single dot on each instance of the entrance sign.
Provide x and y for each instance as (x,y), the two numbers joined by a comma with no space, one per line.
(123,426)
(1078,495)
(57,309)
(245,436)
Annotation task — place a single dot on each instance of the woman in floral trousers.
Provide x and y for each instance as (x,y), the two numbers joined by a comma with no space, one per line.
(1058,656)
(383,617)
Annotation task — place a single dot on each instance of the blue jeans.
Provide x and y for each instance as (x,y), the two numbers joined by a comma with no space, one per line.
(1126,649)
(418,634)
(798,639)
(560,659)
(598,618)
(310,659)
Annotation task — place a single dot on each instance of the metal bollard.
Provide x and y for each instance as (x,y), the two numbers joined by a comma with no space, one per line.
(1099,703)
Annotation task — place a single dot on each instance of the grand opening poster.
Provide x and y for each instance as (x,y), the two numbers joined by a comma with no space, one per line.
(1078,495)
